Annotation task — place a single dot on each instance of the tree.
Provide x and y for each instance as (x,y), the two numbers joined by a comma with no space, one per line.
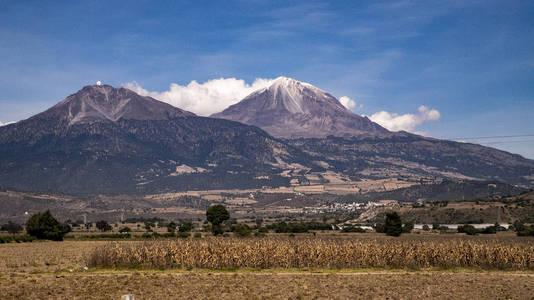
(171,227)
(242,230)
(468,229)
(125,229)
(259,221)
(149,225)
(407,228)
(45,226)
(393,225)
(217,214)
(426,228)
(103,226)
(12,228)
(185,227)
(518,226)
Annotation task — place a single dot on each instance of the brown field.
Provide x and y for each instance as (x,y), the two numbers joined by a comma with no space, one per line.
(55,270)
(268,285)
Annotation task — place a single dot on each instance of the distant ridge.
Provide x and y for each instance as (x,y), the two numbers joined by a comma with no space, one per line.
(95,103)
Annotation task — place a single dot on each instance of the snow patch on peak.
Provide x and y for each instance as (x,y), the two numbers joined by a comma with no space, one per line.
(290,93)
(286,81)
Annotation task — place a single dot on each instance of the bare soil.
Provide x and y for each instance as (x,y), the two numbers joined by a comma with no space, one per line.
(276,285)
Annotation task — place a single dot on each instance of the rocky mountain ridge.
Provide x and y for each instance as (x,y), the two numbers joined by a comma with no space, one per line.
(111,140)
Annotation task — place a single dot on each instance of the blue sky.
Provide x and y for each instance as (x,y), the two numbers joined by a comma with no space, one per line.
(473,61)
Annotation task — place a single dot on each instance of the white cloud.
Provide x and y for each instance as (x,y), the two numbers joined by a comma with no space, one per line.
(205,98)
(407,122)
(215,95)
(347,102)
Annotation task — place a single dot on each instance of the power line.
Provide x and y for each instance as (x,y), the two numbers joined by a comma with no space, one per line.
(506,142)
(493,137)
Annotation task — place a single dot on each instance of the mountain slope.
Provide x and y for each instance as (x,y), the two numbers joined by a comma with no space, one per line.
(291,109)
(108,140)
(317,123)
(410,156)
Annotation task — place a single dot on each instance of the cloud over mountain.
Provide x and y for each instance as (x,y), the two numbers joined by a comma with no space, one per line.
(215,95)
(347,102)
(205,98)
(407,122)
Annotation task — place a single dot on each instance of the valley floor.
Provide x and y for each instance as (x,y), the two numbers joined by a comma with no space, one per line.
(268,285)
(55,270)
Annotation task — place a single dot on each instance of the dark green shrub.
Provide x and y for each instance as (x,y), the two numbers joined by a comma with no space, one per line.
(259,234)
(11,227)
(45,226)
(393,224)
(197,235)
(20,238)
(527,231)
(103,226)
(407,228)
(467,229)
(489,230)
(242,230)
(263,230)
(379,227)
(518,226)
(107,236)
(125,229)
(186,227)
(353,229)
(171,227)
(168,235)
(217,214)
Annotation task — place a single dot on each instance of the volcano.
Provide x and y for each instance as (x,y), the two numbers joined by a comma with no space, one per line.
(289,108)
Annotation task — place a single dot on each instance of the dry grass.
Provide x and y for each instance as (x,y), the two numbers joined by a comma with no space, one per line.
(45,259)
(230,253)
(45,256)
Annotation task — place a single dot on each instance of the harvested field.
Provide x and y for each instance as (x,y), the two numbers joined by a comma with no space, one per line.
(54,270)
(217,253)
(272,285)
(45,256)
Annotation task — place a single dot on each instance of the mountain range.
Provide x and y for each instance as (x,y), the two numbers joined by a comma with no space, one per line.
(111,140)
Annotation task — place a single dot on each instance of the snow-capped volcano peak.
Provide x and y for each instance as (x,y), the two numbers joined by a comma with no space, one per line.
(290,84)
(283,81)
(291,108)
(295,96)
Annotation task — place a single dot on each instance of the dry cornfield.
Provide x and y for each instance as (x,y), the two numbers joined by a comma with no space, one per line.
(219,253)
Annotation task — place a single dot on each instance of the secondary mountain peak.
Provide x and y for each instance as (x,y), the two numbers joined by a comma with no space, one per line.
(106,139)
(97,103)
(289,108)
